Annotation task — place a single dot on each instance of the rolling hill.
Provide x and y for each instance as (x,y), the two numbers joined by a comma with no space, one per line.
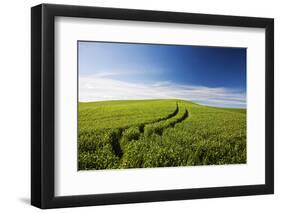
(158,133)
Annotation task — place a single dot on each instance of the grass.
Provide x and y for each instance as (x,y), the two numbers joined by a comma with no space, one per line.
(122,114)
(159,133)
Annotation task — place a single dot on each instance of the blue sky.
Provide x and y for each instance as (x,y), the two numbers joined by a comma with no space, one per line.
(208,75)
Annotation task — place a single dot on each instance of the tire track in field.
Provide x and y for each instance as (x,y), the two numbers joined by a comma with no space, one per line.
(117,137)
(159,131)
(142,125)
(116,145)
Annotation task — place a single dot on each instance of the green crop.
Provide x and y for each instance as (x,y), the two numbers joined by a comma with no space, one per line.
(159,133)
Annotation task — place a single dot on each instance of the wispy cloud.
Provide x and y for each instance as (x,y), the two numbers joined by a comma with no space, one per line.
(113,73)
(102,87)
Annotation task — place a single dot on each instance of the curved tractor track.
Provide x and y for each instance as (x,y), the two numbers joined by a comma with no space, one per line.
(147,129)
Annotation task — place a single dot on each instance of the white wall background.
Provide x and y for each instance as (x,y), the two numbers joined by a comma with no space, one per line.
(15,105)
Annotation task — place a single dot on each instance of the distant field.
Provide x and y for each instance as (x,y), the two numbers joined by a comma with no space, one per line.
(159,133)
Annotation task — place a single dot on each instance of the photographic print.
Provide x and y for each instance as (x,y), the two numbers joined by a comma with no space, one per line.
(159,105)
(171,106)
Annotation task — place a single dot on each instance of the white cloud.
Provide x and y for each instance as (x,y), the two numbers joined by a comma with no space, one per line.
(109,73)
(99,88)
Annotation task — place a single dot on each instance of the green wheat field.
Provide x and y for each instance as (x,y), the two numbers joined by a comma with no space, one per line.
(158,133)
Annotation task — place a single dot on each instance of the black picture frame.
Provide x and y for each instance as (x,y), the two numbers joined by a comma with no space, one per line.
(43,102)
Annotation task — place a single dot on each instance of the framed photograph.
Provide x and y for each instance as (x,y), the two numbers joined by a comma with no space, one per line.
(139,106)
